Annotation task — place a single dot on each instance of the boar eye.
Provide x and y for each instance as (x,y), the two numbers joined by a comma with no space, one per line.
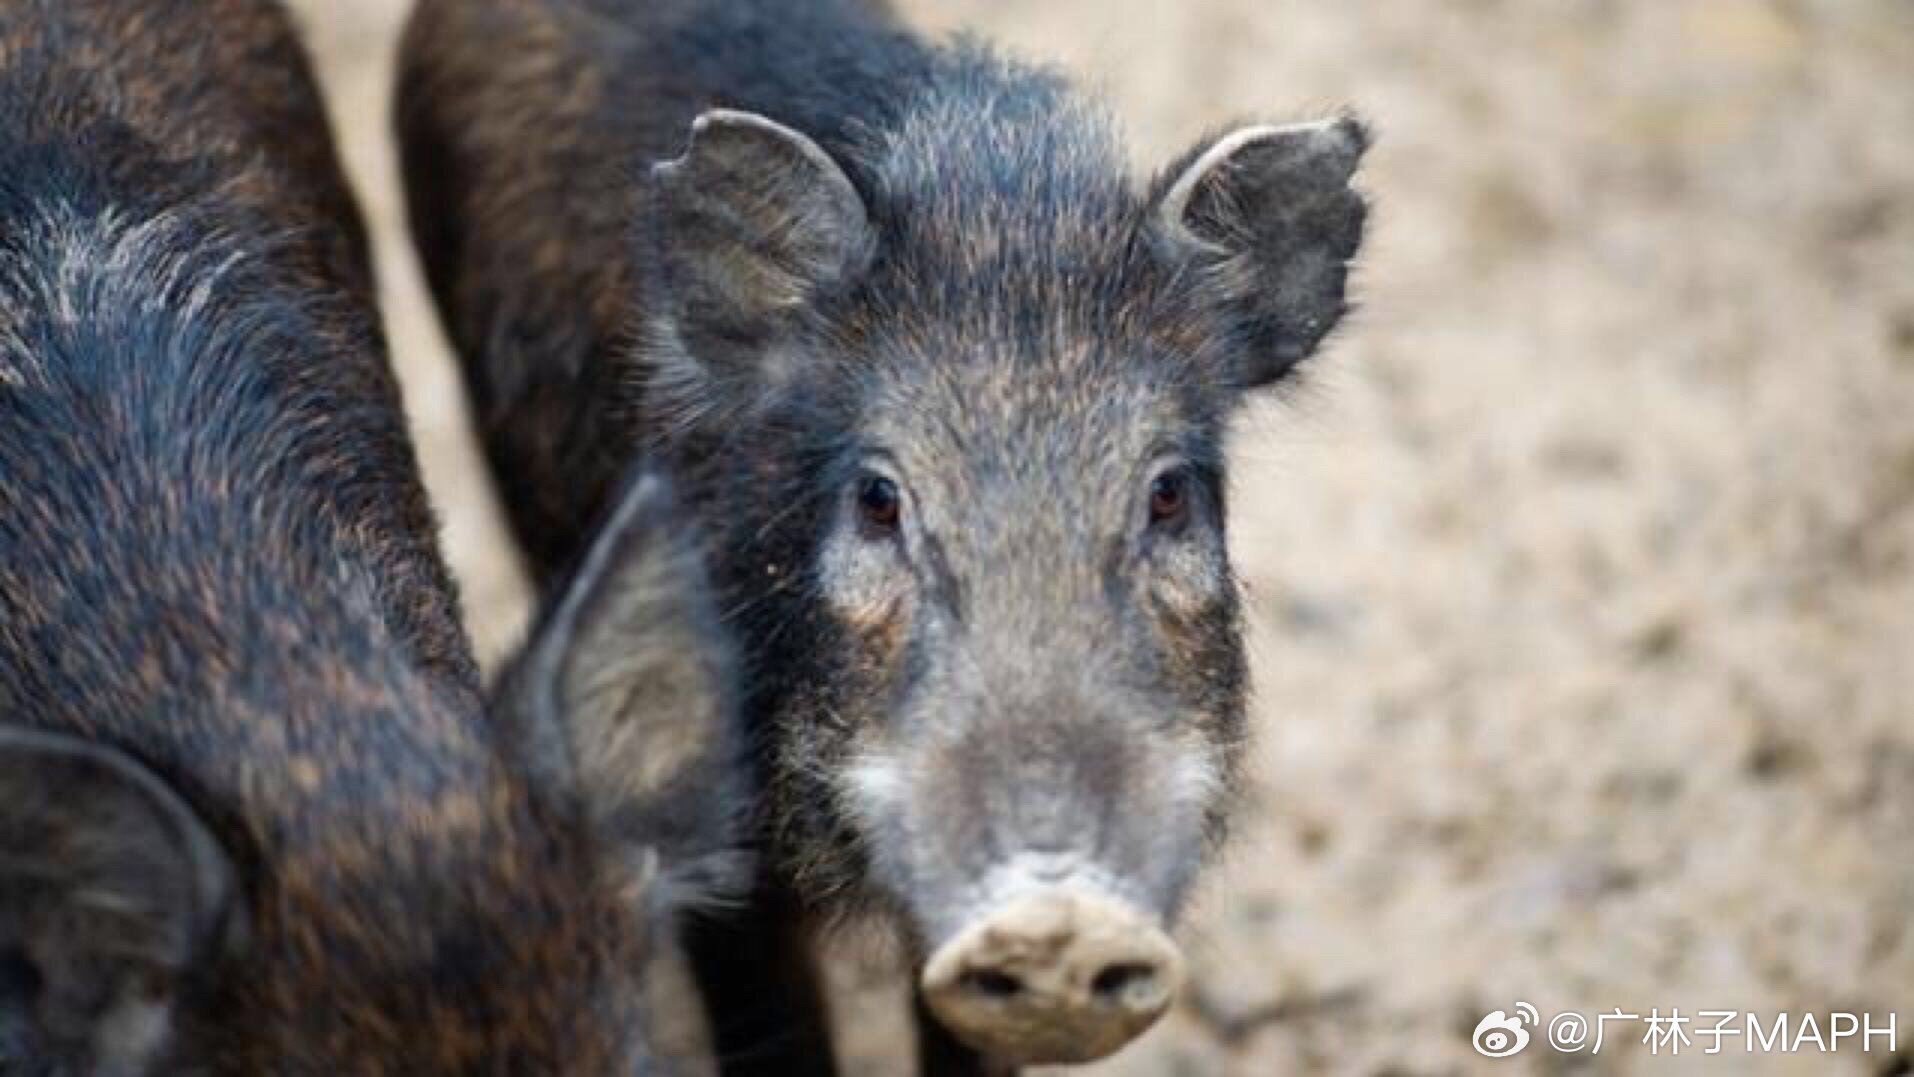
(1169,498)
(879,505)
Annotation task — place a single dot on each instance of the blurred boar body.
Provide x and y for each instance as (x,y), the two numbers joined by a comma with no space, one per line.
(948,389)
(254,818)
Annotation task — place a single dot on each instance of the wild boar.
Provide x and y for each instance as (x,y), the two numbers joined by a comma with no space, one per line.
(947,391)
(254,816)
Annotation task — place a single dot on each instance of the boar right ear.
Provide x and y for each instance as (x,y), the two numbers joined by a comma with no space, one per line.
(750,223)
(112,891)
(1269,218)
(625,700)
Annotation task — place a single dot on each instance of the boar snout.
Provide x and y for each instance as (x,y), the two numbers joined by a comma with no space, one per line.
(1059,976)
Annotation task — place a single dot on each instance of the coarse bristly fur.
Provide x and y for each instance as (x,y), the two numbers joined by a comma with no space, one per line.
(799,255)
(254,817)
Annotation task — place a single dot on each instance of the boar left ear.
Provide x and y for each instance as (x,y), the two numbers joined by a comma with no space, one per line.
(624,701)
(749,224)
(113,894)
(1269,216)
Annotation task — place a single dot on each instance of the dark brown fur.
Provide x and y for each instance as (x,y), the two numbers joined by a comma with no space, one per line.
(218,570)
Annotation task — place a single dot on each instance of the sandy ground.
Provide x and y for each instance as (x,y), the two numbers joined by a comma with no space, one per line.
(1583,573)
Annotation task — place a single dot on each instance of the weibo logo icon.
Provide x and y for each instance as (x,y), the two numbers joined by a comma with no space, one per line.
(1498,1035)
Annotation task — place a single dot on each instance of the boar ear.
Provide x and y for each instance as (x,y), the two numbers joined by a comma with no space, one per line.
(1269,215)
(112,891)
(754,220)
(625,697)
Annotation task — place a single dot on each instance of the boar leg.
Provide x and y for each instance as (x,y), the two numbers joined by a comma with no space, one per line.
(761,991)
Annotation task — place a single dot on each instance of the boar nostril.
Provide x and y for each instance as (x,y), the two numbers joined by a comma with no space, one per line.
(992,984)
(1124,982)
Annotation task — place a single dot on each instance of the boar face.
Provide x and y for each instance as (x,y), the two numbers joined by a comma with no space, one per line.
(958,409)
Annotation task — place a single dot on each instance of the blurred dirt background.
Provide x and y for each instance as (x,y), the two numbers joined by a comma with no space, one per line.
(1582,572)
